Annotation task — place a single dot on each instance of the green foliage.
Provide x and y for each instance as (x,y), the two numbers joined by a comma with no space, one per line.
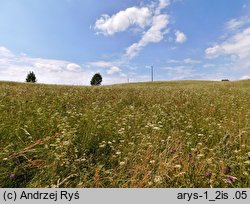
(162,134)
(31,77)
(96,80)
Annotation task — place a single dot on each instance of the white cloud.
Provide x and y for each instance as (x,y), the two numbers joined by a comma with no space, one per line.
(4,52)
(147,18)
(123,20)
(191,61)
(180,37)
(15,68)
(245,77)
(185,61)
(213,52)
(162,4)
(209,65)
(47,66)
(103,64)
(174,61)
(180,70)
(237,23)
(115,80)
(113,70)
(73,67)
(237,46)
(133,50)
(234,24)
(183,73)
(154,35)
(233,49)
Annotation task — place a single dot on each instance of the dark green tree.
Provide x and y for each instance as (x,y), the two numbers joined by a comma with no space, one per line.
(96,80)
(31,77)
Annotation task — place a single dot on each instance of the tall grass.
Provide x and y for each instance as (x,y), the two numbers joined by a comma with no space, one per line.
(163,134)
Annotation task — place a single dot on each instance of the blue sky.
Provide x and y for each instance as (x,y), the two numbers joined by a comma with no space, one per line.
(67,41)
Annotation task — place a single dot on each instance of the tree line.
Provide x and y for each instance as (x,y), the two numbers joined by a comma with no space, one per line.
(95,81)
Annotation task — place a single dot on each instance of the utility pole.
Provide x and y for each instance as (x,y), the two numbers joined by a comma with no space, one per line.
(152,73)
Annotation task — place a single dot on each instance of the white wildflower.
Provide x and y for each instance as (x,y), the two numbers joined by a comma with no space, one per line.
(158,179)
(152,162)
(122,163)
(102,145)
(247,162)
(177,166)
(156,128)
(118,153)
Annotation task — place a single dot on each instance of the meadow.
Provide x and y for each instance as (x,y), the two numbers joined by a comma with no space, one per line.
(149,135)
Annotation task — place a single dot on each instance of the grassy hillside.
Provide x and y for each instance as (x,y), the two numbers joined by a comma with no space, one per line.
(163,134)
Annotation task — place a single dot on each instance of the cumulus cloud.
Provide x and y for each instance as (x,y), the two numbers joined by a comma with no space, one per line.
(15,68)
(237,46)
(173,61)
(162,4)
(46,66)
(4,52)
(101,64)
(180,37)
(237,23)
(154,35)
(73,67)
(213,52)
(180,70)
(108,25)
(209,65)
(183,73)
(185,61)
(233,48)
(112,67)
(191,61)
(236,43)
(234,24)
(113,70)
(245,77)
(147,18)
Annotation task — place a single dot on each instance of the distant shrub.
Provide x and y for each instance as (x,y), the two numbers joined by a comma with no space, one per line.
(31,77)
(225,80)
(96,80)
